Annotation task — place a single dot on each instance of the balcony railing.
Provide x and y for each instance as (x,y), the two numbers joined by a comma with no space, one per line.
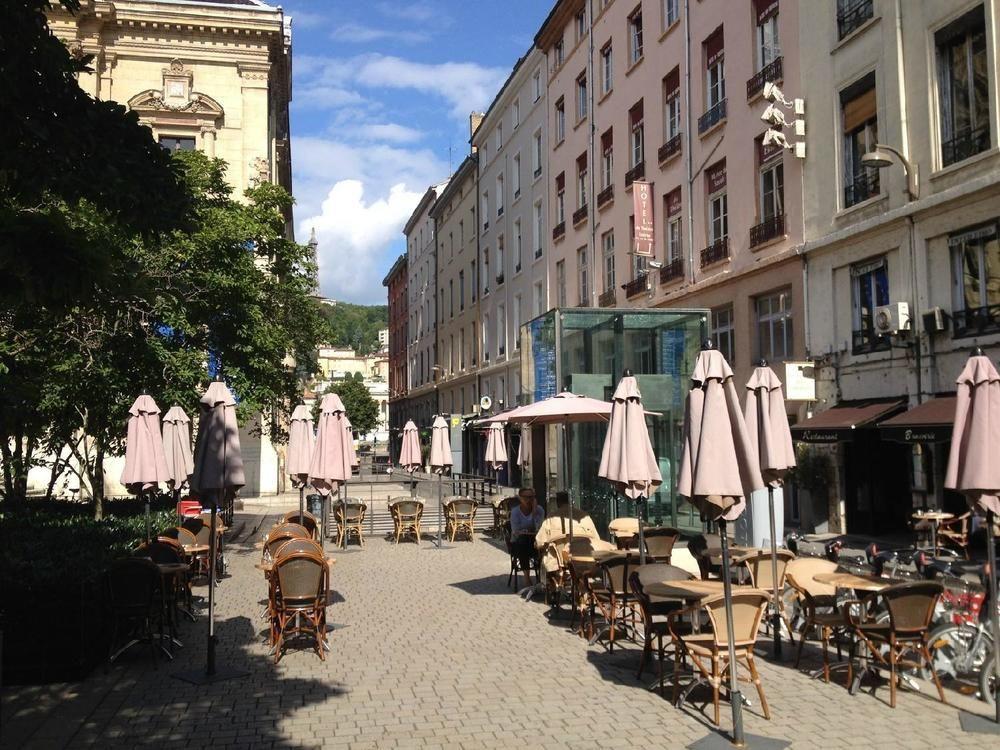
(538,172)
(517,268)
(864,186)
(605,196)
(499,279)
(668,149)
(538,253)
(717,251)
(672,271)
(770,72)
(517,193)
(635,286)
(853,16)
(867,341)
(767,230)
(712,117)
(975,321)
(559,230)
(499,210)
(580,215)
(637,172)
(607,298)
(965,144)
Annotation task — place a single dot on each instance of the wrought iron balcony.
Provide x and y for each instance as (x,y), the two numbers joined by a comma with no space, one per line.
(967,143)
(767,230)
(538,172)
(670,148)
(559,230)
(975,321)
(717,251)
(672,271)
(635,286)
(637,172)
(712,117)
(499,279)
(864,186)
(770,72)
(607,298)
(580,215)
(605,196)
(853,16)
(499,210)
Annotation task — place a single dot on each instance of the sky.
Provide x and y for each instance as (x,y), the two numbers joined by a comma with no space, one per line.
(381,96)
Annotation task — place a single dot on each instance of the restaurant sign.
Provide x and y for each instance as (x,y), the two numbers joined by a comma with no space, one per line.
(820,436)
(917,434)
(642,200)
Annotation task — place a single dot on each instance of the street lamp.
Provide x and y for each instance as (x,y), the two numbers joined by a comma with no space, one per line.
(882,156)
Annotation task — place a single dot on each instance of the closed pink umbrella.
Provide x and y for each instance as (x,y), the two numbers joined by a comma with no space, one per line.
(440,459)
(767,427)
(524,448)
(719,470)
(177,447)
(974,464)
(496,447)
(409,452)
(300,448)
(627,458)
(332,456)
(145,462)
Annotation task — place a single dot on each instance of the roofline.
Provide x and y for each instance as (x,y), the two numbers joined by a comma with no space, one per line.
(545,37)
(503,89)
(468,164)
(257,5)
(400,262)
(430,195)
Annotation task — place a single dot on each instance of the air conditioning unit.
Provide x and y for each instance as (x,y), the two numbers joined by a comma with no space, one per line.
(891,319)
(936,320)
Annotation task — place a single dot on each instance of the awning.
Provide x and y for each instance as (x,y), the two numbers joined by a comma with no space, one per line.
(929,422)
(839,422)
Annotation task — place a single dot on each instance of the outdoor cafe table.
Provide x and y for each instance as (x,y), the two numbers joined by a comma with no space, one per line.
(933,519)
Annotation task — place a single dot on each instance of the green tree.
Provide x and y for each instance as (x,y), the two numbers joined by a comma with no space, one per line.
(360,406)
(356,326)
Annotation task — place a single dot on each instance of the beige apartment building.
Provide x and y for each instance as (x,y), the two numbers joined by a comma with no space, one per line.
(511,146)
(902,261)
(670,92)
(207,75)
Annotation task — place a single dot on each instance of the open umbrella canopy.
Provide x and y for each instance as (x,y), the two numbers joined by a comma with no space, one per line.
(409,452)
(145,463)
(627,458)
(218,461)
(974,461)
(300,445)
(496,447)
(719,467)
(177,447)
(565,408)
(767,425)
(332,455)
(440,458)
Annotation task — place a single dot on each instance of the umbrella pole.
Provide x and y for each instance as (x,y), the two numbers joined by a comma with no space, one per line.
(735,697)
(146,496)
(991,556)
(302,501)
(775,610)
(569,492)
(210,666)
(639,508)
(440,485)
(343,515)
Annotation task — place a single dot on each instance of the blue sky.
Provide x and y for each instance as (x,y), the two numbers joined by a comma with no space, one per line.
(381,90)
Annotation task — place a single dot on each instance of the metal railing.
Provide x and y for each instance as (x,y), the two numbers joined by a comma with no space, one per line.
(713,116)
(559,230)
(967,143)
(580,214)
(607,298)
(635,173)
(974,321)
(767,230)
(636,285)
(605,195)
(853,16)
(770,72)
(717,251)
(668,149)
(865,185)
(672,270)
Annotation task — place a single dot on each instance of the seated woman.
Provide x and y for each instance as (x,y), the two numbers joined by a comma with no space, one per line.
(525,519)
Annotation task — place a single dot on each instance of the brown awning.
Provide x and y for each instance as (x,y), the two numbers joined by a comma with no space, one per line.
(929,422)
(839,422)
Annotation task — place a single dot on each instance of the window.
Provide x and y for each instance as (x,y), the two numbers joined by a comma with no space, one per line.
(560,198)
(172,143)
(451,354)
(461,235)
(607,69)
(474,346)
(718,204)
(516,176)
(486,337)
(607,159)
(715,73)
(473,281)
(581,25)
(774,326)
(516,312)
(672,104)
(724,331)
(517,245)
(561,283)
(486,271)
(638,141)
(538,229)
(635,36)
(461,349)
(672,213)
(501,330)
(461,291)
(772,190)
(515,114)
(539,298)
(584,281)
(581,96)
(851,14)
(608,251)
(558,53)
(963,87)
(976,261)
(581,180)
(499,136)
(670,13)
(536,86)
(768,48)
(500,264)
(860,120)
(560,120)
(485,211)
(451,297)
(869,289)
(536,153)
(500,194)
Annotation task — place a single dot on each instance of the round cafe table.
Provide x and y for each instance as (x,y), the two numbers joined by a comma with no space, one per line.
(855,582)
(933,518)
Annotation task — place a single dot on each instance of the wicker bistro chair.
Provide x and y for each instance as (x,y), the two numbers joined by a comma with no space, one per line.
(609,596)
(583,571)
(406,515)
(350,518)
(136,603)
(306,520)
(202,530)
(655,610)
(660,542)
(624,531)
(911,608)
(169,552)
(300,596)
(762,577)
(460,516)
(814,596)
(709,652)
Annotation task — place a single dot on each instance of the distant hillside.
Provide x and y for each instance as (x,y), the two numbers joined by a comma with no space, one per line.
(356,326)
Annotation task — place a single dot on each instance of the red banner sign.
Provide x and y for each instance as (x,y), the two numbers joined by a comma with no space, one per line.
(674,202)
(764,9)
(715,177)
(642,204)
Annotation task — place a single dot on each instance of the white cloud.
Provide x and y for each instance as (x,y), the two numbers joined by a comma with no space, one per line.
(305,19)
(354,236)
(356,33)
(417,12)
(384,131)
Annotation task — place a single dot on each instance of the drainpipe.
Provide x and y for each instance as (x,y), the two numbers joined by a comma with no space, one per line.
(592,167)
(690,140)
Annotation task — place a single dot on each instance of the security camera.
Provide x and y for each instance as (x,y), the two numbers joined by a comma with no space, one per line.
(773,94)
(774,117)
(775,138)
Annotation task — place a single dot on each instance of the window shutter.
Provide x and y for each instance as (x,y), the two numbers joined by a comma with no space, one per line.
(714,47)
(672,83)
(859,110)
(764,9)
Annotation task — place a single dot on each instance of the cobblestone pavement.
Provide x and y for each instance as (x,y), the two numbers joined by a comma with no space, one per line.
(431,649)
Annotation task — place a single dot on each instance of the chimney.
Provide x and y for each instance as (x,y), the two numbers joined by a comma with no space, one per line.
(475,120)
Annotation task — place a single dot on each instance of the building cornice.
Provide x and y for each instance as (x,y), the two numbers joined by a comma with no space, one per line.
(552,27)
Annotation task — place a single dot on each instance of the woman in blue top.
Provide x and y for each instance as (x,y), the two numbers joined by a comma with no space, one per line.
(525,520)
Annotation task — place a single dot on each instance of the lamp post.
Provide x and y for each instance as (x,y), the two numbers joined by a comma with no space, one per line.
(881,157)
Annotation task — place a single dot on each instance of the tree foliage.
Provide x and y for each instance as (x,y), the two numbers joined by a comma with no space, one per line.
(356,326)
(361,408)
